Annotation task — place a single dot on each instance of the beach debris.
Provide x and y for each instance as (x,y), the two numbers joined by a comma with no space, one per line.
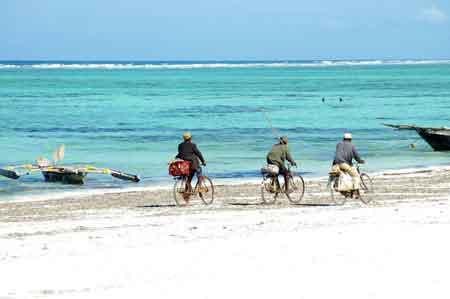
(72,174)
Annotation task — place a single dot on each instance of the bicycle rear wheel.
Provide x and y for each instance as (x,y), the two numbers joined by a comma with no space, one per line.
(366,189)
(180,195)
(270,187)
(206,190)
(297,185)
(335,195)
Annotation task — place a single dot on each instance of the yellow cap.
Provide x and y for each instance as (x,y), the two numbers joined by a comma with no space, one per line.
(186,136)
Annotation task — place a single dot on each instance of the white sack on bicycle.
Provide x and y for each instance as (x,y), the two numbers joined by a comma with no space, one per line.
(345,182)
(270,169)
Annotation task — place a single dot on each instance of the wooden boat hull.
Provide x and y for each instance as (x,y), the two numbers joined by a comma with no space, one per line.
(69,175)
(438,140)
(65,177)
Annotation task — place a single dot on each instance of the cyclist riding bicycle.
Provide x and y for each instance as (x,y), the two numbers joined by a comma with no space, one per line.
(343,161)
(188,151)
(278,155)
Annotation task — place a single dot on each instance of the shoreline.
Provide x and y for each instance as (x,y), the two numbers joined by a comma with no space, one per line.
(390,187)
(167,185)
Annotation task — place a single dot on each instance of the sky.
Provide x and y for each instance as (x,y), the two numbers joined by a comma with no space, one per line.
(224,30)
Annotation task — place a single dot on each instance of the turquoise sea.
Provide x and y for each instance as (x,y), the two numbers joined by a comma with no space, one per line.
(131,115)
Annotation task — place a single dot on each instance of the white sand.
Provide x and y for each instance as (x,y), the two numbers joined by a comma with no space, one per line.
(138,245)
(395,251)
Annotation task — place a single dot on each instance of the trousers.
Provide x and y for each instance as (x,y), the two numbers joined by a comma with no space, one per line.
(344,167)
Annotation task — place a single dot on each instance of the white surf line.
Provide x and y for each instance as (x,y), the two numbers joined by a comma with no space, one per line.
(223,65)
(408,171)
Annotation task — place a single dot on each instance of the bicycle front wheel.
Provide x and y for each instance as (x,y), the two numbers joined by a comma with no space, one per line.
(297,188)
(206,190)
(270,188)
(180,194)
(366,189)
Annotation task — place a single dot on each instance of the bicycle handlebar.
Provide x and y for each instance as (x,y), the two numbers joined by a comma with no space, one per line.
(357,166)
(291,166)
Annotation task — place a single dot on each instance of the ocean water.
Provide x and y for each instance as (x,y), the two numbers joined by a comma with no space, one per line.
(131,115)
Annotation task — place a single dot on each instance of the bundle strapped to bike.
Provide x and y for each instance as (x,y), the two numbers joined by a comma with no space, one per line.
(345,182)
(179,167)
(270,169)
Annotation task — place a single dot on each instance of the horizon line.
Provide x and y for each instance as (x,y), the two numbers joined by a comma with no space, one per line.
(216,60)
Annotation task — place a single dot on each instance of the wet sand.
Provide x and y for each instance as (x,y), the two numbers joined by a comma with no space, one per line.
(390,188)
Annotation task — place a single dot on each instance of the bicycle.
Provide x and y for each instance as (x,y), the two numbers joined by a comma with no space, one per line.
(366,188)
(205,190)
(271,187)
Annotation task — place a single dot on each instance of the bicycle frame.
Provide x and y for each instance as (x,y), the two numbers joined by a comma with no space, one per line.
(366,184)
(203,188)
(276,179)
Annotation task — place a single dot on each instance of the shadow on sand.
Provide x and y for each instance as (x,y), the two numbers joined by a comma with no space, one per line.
(292,204)
(246,204)
(158,206)
(314,204)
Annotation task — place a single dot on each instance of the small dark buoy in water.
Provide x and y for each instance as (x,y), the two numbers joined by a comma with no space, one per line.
(412,146)
(323,100)
(340,100)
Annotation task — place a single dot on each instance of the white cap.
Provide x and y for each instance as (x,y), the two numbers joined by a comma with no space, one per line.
(347,136)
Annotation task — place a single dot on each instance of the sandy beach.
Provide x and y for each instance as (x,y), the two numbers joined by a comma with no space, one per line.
(140,245)
(98,97)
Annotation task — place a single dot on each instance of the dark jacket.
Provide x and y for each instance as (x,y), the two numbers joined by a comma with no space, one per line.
(345,153)
(188,151)
(278,154)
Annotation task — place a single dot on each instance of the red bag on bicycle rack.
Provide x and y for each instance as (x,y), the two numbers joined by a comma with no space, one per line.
(179,168)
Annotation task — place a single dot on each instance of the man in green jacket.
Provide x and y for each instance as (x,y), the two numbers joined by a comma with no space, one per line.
(278,155)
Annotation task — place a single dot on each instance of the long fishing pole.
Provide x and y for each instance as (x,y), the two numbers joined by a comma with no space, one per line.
(269,121)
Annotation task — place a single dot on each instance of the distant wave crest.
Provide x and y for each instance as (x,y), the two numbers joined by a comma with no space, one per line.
(214,65)
(9,66)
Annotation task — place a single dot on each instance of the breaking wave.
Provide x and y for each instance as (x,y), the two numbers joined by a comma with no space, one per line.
(214,65)
(9,66)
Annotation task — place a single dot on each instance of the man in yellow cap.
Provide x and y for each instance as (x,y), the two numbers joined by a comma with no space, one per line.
(343,160)
(188,151)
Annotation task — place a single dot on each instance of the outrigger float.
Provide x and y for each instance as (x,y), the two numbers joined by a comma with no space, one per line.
(437,138)
(52,172)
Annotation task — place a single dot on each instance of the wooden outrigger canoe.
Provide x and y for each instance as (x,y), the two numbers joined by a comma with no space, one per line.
(66,174)
(67,177)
